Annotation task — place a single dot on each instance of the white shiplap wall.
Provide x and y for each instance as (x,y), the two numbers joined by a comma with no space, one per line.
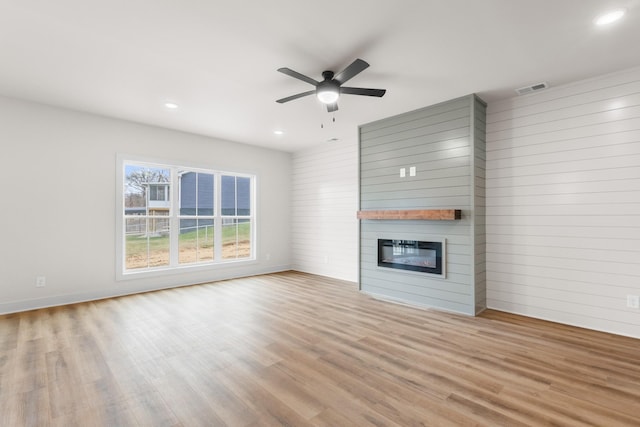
(563,203)
(325,202)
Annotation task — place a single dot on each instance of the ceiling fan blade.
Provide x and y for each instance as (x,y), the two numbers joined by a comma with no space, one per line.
(332,107)
(297,75)
(362,91)
(352,70)
(292,97)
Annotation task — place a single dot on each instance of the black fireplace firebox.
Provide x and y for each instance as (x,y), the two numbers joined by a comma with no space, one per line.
(413,255)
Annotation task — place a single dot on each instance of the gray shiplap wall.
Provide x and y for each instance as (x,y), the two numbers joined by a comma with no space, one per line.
(563,203)
(479,204)
(445,143)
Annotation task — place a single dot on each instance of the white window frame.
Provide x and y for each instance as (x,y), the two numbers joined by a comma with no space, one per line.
(174,217)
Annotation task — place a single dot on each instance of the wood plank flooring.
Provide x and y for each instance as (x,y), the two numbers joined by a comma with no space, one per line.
(295,349)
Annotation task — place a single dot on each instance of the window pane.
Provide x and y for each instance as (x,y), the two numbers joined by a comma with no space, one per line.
(236,238)
(146,242)
(244,195)
(196,193)
(188,185)
(228,195)
(136,253)
(145,187)
(195,243)
(205,194)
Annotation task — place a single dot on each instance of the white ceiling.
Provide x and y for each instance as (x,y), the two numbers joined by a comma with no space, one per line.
(218,59)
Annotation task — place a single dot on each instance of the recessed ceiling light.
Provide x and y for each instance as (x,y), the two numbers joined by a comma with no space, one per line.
(170,105)
(278,132)
(609,17)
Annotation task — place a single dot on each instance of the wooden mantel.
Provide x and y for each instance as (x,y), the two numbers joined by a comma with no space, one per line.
(430,214)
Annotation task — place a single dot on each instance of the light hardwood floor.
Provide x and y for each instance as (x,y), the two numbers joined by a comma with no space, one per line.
(297,349)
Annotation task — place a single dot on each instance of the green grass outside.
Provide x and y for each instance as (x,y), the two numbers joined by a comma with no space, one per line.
(137,245)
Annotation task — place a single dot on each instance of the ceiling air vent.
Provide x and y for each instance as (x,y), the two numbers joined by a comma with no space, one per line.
(533,88)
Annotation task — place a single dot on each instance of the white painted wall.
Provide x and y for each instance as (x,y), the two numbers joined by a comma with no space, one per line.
(57,217)
(563,203)
(324,206)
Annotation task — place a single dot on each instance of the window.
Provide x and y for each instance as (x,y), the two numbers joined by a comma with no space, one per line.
(159,192)
(179,217)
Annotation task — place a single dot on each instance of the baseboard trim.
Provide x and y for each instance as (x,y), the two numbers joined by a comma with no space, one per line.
(114,292)
(392,300)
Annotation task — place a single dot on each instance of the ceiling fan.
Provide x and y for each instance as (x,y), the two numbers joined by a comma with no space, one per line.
(328,91)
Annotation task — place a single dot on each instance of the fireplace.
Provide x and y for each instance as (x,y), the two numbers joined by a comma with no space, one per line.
(412,255)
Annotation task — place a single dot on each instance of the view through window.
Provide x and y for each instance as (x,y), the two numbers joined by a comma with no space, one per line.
(176,217)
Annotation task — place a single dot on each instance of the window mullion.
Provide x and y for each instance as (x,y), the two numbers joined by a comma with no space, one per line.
(174,215)
(217,222)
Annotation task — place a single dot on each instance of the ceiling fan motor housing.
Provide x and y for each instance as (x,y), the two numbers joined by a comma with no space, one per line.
(327,75)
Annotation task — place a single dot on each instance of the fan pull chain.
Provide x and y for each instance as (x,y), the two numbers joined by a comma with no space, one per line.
(333,120)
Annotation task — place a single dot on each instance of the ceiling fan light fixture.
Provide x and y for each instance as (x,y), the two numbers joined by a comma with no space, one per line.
(609,17)
(328,94)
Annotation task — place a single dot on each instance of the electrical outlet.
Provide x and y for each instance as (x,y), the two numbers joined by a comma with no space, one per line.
(633,301)
(41,281)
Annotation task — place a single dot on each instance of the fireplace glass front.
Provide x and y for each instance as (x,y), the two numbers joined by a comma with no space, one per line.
(411,255)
